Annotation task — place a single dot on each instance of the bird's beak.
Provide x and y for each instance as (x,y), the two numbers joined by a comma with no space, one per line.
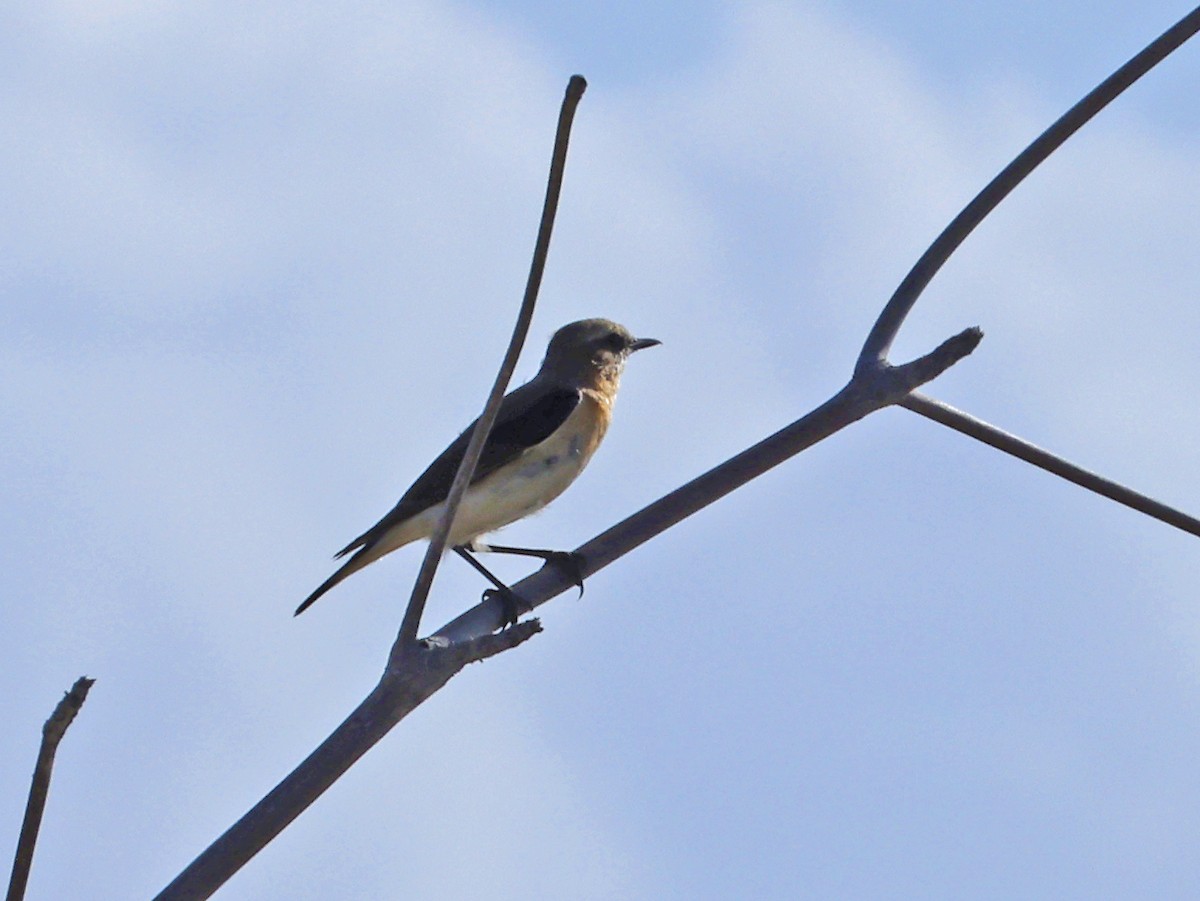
(643,343)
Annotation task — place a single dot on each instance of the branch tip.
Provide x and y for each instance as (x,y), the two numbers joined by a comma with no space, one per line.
(53,731)
(964,343)
(477,649)
(927,368)
(66,709)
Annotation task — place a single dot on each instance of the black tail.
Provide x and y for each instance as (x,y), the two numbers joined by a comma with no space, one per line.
(351,566)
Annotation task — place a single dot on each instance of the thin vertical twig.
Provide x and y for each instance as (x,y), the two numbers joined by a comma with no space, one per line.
(415,670)
(437,543)
(52,733)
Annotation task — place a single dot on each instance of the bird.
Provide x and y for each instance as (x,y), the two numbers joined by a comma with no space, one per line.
(544,435)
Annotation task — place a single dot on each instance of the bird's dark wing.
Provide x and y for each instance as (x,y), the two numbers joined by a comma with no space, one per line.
(528,416)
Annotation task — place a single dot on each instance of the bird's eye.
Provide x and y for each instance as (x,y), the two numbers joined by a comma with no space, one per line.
(614,341)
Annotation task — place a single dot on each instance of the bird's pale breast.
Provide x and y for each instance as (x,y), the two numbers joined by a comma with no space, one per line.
(528,483)
(535,478)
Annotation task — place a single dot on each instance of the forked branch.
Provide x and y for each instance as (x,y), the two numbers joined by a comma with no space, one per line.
(418,669)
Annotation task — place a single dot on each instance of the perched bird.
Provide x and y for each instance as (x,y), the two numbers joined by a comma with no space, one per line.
(545,434)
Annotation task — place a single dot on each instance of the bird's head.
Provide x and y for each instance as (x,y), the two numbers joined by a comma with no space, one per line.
(590,351)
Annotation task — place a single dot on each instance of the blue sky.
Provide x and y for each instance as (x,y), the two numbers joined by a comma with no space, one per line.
(259,264)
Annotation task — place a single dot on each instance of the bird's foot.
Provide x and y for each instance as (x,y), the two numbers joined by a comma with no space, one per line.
(570,563)
(511,606)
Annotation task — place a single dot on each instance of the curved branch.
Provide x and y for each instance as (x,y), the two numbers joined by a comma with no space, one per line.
(883,333)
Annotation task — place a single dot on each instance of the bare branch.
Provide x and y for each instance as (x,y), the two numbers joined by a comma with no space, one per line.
(1031,453)
(437,543)
(52,733)
(883,333)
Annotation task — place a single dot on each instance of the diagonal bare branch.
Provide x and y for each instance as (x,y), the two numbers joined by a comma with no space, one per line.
(427,667)
(883,333)
(52,733)
(437,543)
(1031,453)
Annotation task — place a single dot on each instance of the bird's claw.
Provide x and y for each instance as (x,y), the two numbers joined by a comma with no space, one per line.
(571,563)
(510,604)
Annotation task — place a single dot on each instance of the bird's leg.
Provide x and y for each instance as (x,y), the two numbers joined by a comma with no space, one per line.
(509,601)
(569,561)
